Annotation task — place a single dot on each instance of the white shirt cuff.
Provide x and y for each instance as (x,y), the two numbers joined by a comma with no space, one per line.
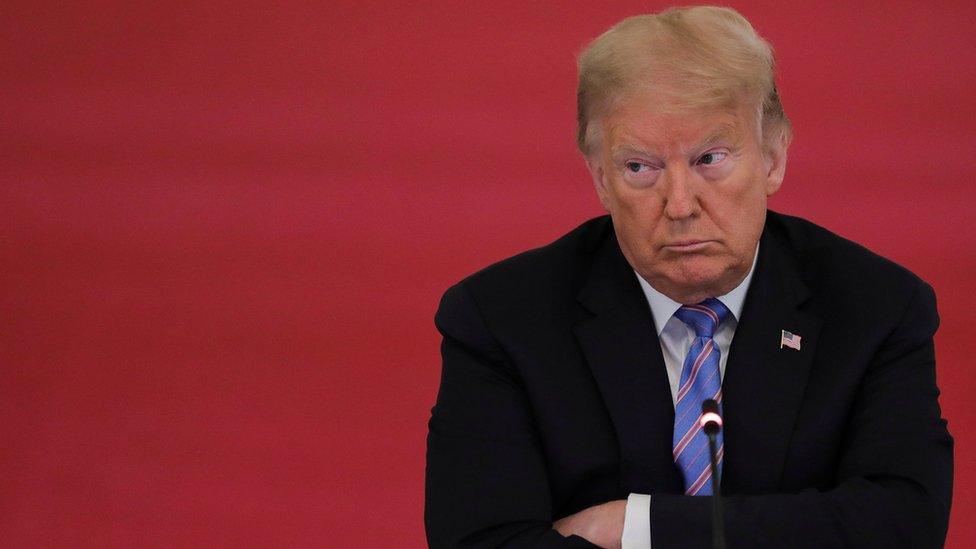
(637,523)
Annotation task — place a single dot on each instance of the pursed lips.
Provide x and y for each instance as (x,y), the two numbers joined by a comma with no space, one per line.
(687,245)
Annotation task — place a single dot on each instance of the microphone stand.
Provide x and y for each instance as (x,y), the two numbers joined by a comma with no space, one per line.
(711,425)
(718,523)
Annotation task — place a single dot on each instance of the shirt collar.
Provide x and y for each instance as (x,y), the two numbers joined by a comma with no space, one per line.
(663,307)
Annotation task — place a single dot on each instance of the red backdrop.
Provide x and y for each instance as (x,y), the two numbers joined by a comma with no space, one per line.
(224,230)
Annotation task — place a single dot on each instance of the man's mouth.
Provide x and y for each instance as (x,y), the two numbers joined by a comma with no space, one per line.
(687,245)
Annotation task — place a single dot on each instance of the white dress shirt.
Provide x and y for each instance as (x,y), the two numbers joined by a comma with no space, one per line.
(676,339)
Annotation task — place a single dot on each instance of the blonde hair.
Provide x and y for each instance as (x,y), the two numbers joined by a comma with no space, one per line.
(698,57)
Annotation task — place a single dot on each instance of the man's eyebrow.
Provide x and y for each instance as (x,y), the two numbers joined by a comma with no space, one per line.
(724,132)
(619,149)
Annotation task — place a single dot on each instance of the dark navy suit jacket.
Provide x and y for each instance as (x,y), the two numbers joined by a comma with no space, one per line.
(554,397)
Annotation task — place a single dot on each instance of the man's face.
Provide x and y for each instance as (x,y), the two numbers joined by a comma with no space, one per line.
(687,193)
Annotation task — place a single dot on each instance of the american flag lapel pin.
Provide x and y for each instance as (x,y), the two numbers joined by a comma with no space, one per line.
(790,340)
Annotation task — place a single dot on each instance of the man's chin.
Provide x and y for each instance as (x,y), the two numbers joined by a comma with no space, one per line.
(693,280)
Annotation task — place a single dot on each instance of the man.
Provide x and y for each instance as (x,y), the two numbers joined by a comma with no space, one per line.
(573,375)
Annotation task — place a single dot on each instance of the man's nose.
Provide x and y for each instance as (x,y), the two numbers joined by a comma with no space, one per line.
(681,200)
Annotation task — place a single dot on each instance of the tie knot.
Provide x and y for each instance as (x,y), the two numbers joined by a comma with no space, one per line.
(704,317)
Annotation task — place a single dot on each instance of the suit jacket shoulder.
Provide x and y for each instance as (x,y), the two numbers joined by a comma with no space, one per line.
(852,281)
(536,286)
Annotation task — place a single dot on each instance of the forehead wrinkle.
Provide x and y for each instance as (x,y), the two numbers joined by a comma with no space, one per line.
(639,126)
(623,138)
(622,141)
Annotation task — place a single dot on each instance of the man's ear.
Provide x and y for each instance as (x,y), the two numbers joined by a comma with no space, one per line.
(774,157)
(599,181)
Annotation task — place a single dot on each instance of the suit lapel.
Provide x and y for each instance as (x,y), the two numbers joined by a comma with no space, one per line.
(764,384)
(623,352)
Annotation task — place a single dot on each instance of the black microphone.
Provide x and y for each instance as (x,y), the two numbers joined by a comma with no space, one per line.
(711,424)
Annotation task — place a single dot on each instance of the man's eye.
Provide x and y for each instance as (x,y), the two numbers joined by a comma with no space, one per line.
(711,158)
(636,167)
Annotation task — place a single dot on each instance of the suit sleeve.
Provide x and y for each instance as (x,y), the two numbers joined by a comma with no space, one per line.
(894,482)
(486,480)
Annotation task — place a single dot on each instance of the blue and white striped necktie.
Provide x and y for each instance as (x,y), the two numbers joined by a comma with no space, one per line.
(700,380)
